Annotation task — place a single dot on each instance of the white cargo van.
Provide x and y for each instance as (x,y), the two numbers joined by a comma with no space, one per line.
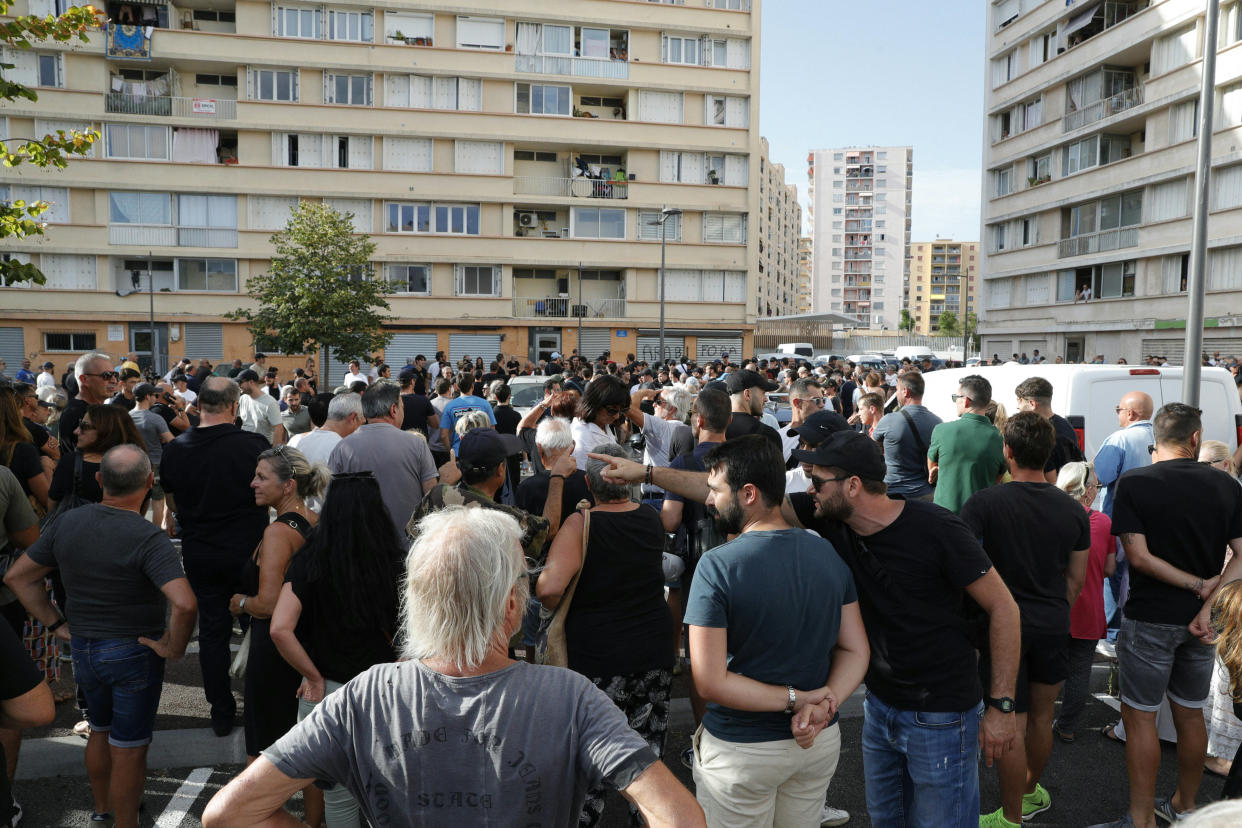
(1087,395)
(914,353)
(802,349)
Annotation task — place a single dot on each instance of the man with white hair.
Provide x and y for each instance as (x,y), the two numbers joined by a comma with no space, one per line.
(341,418)
(461,733)
(96,382)
(667,435)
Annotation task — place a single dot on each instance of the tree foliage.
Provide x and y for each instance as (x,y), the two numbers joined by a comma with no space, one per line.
(906,322)
(949,325)
(19,219)
(318,292)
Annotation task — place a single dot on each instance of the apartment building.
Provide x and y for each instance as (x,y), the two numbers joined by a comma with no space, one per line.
(1090,155)
(780,225)
(861,231)
(939,270)
(805,299)
(509,161)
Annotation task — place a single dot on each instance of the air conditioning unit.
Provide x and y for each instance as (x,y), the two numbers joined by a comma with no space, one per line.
(528,219)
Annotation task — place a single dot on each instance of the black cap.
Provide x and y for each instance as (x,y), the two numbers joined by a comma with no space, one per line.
(247,376)
(407,373)
(849,451)
(820,426)
(48,365)
(486,447)
(739,381)
(719,385)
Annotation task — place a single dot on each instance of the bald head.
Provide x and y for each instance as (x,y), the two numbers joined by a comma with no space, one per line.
(125,470)
(1135,406)
(217,395)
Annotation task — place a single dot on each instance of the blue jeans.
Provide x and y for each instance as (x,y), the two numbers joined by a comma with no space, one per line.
(122,681)
(921,769)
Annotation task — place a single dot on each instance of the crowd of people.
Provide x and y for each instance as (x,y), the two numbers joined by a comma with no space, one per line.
(407,555)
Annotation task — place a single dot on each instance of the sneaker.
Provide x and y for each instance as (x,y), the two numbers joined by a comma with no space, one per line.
(83,729)
(1124,822)
(15,817)
(98,817)
(831,816)
(687,758)
(996,819)
(1035,803)
(1165,811)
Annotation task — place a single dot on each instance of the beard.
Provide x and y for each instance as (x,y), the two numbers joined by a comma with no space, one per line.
(834,508)
(729,521)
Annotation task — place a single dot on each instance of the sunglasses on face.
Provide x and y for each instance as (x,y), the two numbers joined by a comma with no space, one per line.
(104,375)
(818,482)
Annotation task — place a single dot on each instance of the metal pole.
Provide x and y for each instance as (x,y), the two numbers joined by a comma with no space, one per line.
(1198,244)
(579,315)
(155,347)
(663,235)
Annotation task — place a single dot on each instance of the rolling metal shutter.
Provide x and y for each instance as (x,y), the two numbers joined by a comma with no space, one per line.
(204,340)
(712,347)
(649,347)
(1174,348)
(476,345)
(595,341)
(405,346)
(12,349)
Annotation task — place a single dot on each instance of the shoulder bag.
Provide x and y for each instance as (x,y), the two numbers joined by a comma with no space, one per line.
(555,649)
(70,501)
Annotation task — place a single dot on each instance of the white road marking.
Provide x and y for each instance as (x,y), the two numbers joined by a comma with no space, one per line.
(183,799)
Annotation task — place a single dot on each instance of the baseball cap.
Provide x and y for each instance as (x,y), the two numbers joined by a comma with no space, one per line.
(820,426)
(556,354)
(849,451)
(486,447)
(407,373)
(739,381)
(48,365)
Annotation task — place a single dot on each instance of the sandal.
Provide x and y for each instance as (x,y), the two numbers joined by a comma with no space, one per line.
(1067,738)
(1108,732)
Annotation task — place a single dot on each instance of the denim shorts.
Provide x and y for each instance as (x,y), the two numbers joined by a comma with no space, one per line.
(122,681)
(1159,659)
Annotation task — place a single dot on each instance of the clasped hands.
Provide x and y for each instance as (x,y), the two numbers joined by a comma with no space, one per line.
(814,710)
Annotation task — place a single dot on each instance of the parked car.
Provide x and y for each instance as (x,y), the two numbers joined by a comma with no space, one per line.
(525,393)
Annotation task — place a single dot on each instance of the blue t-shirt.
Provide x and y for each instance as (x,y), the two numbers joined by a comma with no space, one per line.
(464,405)
(779,594)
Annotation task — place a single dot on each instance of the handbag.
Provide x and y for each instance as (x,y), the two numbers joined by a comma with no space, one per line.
(70,501)
(238,668)
(555,649)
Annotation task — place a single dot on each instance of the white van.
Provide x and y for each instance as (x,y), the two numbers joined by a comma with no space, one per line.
(914,353)
(802,349)
(1087,395)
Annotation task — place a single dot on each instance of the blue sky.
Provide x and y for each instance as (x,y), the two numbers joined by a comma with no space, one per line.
(884,72)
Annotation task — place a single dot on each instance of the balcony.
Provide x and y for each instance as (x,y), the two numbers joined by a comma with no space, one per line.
(572,66)
(564,307)
(215,109)
(1098,242)
(167,235)
(1123,100)
(570,187)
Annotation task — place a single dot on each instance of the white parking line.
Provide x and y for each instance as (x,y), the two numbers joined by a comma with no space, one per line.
(183,799)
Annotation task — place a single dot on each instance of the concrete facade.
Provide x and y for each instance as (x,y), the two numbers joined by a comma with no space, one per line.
(780,224)
(936,272)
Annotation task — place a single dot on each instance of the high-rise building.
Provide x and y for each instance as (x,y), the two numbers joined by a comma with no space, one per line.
(861,231)
(780,224)
(938,271)
(510,162)
(1092,116)
(805,256)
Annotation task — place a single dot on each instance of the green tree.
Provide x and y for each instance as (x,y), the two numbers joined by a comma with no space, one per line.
(972,328)
(949,325)
(19,219)
(906,323)
(318,293)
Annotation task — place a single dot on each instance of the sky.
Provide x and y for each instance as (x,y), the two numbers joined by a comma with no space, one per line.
(887,73)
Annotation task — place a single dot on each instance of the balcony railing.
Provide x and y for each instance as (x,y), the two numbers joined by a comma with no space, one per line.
(570,187)
(209,108)
(167,235)
(576,67)
(563,307)
(207,237)
(1098,242)
(1126,99)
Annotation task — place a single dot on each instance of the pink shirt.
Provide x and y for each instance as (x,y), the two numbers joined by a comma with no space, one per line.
(1087,615)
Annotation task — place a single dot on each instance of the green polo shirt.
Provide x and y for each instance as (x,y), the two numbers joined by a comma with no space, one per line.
(970,454)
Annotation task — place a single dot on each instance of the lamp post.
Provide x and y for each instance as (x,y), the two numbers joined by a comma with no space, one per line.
(665,215)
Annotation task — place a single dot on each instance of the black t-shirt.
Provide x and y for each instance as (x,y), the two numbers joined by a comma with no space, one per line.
(507,419)
(38,434)
(124,402)
(24,463)
(417,409)
(18,674)
(1065,449)
(167,413)
(846,396)
(1029,531)
(911,578)
(532,494)
(420,381)
(70,383)
(62,480)
(69,419)
(743,424)
(1188,512)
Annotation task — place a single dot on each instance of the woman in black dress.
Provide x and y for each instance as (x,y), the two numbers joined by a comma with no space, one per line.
(283,480)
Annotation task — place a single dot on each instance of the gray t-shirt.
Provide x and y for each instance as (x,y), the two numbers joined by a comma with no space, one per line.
(517,747)
(151,426)
(400,461)
(906,460)
(15,515)
(298,422)
(113,563)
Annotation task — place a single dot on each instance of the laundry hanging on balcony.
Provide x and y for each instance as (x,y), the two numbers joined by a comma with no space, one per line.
(130,42)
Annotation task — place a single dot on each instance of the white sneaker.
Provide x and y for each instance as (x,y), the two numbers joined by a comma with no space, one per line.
(83,729)
(833,816)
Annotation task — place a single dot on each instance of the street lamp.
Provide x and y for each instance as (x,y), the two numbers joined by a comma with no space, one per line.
(665,215)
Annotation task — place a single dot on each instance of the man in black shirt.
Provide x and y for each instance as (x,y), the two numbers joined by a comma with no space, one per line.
(96,381)
(1035,394)
(125,396)
(419,414)
(1175,518)
(746,392)
(1038,540)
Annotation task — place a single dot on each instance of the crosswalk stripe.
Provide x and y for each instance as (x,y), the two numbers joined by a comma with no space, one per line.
(174,814)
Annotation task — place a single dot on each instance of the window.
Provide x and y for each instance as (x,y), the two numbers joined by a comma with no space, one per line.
(1096,150)
(479,157)
(412,27)
(274,85)
(1004,68)
(681,49)
(68,341)
(1229,112)
(1004,180)
(1005,12)
(1227,187)
(724,228)
(134,141)
(207,211)
(66,272)
(597,223)
(424,92)
(1114,280)
(300,150)
(537,99)
(661,107)
(1037,289)
(1112,213)
(727,111)
(424,217)
(649,226)
(1167,200)
(1175,273)
(1041,48)
(140,208)
(270,212)
(409,278)
(409,154)
(1039,168)
(350,25)
(294,21)
(550,157)
(207,274)
(349,152)
(477,280)
(1184,121)
(998,293)
(57,199)
(1174,50)
(705,285)
(215,80)
(353,90)
(480,33)
(359,208)
(32,68)
(1225,269)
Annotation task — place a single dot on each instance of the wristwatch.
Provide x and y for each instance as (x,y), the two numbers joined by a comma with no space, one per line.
(56,625)
(1004,704)
(793,700)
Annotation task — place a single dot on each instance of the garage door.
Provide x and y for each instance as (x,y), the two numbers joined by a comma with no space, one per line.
(712,347)
(595,341)
(204,341)
(474,345)
(12,349)
(405,346)
(1174,348)
(649,347)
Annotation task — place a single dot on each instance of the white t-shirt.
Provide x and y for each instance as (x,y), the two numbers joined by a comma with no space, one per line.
(260,415)
(796,480)
(351,378)
(189,396)
(317,445)
(586,437)
(45,380)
